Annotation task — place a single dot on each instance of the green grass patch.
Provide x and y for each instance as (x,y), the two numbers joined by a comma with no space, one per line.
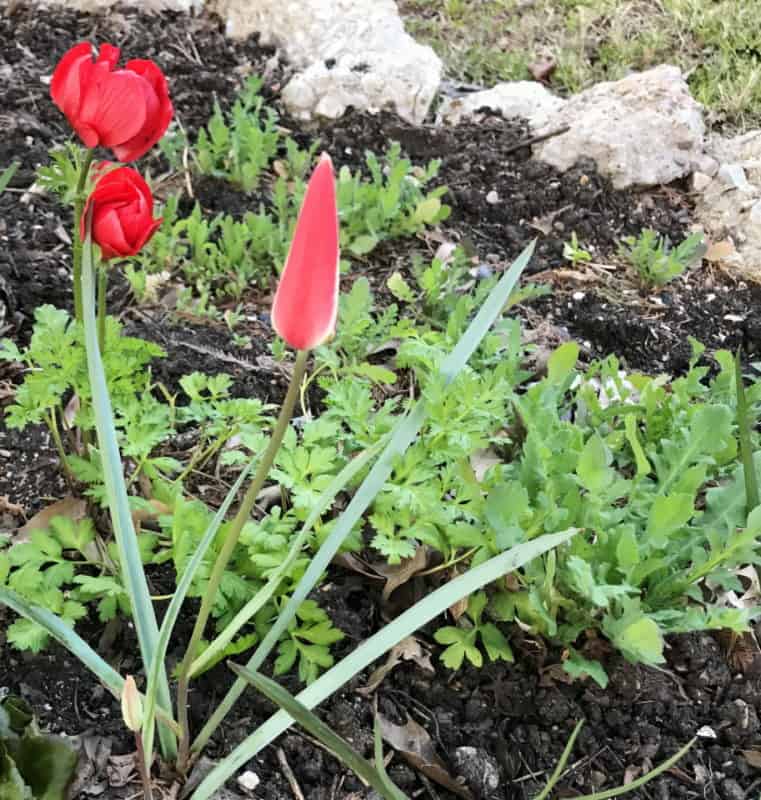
(718,44)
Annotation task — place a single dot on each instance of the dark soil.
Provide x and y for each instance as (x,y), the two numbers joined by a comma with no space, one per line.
(516,718)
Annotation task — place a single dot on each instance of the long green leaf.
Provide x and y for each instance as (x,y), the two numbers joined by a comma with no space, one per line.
(66,635)
(7,175)
(373,648)
(356,465)
(746,448)
(558,772)
(178,598)
(643,779)
(131,563)
(403,435)
(314,725)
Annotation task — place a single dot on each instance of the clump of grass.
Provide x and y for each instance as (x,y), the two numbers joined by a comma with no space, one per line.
(715,42)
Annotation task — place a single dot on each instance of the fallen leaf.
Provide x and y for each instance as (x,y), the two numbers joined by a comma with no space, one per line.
(631,773)
(351,562)
(143,514)
(482,460)
(121,770)
(414,744)
(71,410)
(399,574)
(445,252)
(753,757)
(718,251)
(12,508)
(542,70)
(72,507)
(90,777)
(459,608)
(408,649)
(7,390)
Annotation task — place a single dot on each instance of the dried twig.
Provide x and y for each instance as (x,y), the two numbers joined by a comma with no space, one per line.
(289,776)
(540,137)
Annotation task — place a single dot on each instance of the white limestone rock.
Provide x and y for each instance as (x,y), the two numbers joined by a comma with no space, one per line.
(529,100)
(729,206)
(643,130)
(349,53)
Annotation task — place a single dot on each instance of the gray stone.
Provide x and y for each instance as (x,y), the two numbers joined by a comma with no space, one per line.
(733,175)
(706,164)
(480,770)
(528,100)
(731,790)
(700,181)
(348,53)
(643,130)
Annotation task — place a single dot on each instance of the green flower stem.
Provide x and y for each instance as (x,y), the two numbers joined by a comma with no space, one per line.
(79,205)
(102,289)
(142,762)
(243,515)
(746,448)
(56,434)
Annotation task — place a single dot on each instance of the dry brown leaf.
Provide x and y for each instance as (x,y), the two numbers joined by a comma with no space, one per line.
(121,770)
(90,777)
(157,509)
(482,460)
(72,507)
(631,773)
(7,390)
(542,70)
(398,574)
(71,410)
(718,251)
(459,608)
(11,508)
(414,744)
(753,757)
(408,649)
(351,562)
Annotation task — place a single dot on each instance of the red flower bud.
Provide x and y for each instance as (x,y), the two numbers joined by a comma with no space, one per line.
(122,212)
(305,307)
(126,109)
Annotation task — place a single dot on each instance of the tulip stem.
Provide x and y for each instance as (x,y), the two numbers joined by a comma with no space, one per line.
(228,546)
(143,769)
(79,205)
(102,289)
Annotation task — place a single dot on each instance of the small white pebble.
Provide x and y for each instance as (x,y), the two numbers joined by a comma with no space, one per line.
(492,198)
(248,781)
(706,732)
(710,297)
(733,318)
(578,296)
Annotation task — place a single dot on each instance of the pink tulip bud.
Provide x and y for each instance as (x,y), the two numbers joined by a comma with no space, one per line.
(305,307)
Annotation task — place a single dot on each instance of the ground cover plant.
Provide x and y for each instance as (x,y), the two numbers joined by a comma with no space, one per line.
(116,216)
(446,505)
(239,147)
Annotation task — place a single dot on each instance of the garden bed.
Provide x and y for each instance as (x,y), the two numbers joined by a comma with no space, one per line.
(518,716)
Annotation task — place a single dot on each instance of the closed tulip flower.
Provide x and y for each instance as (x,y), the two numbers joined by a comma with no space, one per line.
(122,212)
(305,307)
(127,110)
